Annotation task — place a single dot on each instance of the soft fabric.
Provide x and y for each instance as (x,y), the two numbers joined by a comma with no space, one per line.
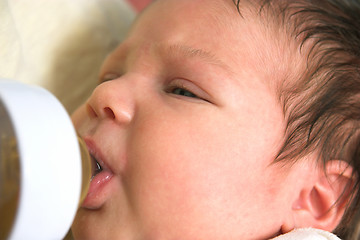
(60,44)
(307,234)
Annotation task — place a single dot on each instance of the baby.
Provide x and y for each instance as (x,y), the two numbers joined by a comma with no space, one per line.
(217,119)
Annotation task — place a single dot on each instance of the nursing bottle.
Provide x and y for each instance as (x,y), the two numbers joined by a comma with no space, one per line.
(45,169)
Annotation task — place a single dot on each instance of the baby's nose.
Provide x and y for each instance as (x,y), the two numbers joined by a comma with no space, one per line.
(112,100)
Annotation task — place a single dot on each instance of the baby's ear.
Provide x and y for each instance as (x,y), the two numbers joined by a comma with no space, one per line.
(322,203)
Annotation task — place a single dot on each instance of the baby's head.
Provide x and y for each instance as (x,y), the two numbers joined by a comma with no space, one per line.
(225,120)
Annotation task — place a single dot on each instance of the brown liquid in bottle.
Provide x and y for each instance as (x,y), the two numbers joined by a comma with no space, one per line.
(9,174)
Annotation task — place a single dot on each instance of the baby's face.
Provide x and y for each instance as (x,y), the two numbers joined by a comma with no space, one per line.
(185,128)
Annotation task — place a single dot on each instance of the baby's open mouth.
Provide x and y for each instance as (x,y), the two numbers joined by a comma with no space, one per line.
(96,167)
(98,191)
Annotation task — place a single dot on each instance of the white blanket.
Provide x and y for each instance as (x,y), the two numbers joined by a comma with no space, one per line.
(60,44)
(307,234)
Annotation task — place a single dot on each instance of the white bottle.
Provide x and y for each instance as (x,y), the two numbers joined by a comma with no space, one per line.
(43,170)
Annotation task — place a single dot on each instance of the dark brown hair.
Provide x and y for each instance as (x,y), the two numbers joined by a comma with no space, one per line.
(322,106)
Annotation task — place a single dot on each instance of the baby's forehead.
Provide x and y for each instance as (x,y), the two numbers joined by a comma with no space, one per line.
(241,35)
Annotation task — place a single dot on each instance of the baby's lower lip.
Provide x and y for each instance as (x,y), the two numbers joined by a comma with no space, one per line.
(97,193)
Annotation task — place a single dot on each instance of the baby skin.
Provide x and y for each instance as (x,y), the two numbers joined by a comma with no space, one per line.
(186,124)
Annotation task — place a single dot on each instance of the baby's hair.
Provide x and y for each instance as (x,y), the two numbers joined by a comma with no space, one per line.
(322,106)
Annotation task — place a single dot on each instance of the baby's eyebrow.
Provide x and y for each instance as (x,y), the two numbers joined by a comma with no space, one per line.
(184,51)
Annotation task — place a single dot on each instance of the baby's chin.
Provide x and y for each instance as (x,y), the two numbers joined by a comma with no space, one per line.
(107,222)
(87,224)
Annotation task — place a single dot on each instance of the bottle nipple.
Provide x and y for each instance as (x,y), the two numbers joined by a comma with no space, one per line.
(86,170)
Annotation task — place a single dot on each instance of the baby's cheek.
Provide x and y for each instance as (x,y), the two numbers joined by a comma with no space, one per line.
(185,197)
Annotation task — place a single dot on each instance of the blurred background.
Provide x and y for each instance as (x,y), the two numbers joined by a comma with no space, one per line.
(60,44)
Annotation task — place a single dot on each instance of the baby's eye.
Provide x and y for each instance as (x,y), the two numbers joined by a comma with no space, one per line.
(186,88)
(183,92)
